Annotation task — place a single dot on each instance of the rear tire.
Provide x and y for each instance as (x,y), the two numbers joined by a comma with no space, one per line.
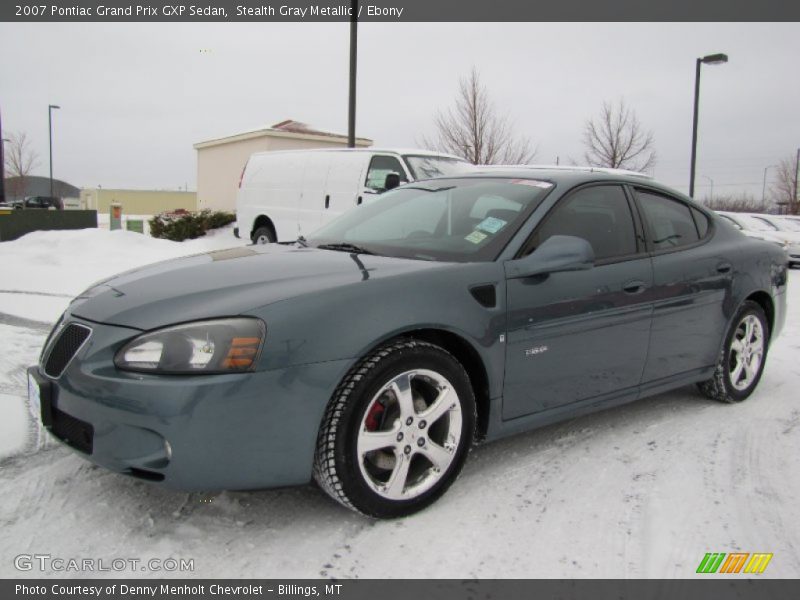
(263,235)
(744,353)
(397,431)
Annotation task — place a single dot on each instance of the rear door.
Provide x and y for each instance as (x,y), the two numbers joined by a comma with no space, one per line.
(314,198)
(578,335)
(345,174)
(692,283)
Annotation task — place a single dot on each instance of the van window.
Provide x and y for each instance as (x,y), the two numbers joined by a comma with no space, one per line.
(379,168)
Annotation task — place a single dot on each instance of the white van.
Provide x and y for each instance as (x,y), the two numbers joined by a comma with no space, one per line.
(283,195)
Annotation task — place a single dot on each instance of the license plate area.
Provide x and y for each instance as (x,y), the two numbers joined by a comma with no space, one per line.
(40,396)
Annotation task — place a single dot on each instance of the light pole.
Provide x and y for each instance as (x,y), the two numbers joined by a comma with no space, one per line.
(711,59)
(710,193)
(764,185)
(50,108)
(2,164)
(351,105)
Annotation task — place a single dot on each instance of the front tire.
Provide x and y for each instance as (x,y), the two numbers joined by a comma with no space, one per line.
(397,431)
(741,362)
(263,235)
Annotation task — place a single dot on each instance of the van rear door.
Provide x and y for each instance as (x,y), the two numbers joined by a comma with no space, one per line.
(315,196)
(345,174)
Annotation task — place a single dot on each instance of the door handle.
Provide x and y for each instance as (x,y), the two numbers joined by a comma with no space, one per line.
(327,201)
(634,287)
(724,267)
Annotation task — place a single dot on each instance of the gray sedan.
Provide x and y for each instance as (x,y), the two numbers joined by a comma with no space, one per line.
(371,356)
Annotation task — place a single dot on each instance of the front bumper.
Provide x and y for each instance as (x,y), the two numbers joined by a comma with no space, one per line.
(212,432)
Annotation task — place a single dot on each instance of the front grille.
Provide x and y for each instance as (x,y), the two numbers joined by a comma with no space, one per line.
(65,347)
(74,432)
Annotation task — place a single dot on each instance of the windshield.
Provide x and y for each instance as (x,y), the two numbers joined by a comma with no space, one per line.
(460,220)
(789,224)
(428,167)
(756,224)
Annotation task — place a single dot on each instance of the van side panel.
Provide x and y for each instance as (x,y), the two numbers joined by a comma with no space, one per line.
(345,182)
(272,187)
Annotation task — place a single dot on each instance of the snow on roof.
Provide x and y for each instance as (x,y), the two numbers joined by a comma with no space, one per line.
(287,128)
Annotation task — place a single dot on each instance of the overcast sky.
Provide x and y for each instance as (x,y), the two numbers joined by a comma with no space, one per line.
(135,97)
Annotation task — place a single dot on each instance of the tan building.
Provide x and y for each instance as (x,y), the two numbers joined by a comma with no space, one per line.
(220,161)
(137,202)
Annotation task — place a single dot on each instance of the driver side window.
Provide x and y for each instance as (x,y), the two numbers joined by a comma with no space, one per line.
(379,168)
(599,214)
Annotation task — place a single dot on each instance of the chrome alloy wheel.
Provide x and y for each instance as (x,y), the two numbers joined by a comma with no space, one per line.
(747,352)
(409,434)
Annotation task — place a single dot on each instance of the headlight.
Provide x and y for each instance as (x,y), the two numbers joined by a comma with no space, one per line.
(216,346)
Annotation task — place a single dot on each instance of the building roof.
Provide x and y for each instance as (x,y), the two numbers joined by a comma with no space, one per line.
(288,128)
(34,185)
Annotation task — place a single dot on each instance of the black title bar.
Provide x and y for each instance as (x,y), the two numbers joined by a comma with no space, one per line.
(399,10)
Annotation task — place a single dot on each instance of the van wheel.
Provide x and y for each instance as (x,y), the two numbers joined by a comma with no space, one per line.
(397,430)
(263,235)
(741,362)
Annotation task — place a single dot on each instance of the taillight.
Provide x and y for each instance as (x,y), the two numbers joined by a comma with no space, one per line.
(241,175)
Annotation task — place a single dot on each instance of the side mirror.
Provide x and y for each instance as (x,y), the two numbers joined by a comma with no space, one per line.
(392,181)
(557,254)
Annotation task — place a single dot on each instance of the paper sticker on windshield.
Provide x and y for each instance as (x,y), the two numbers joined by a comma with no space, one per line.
(476,237)
(491,224)
(533,183)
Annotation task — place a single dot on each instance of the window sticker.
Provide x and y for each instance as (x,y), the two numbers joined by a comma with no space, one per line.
(491,224)
(533,183)
(476,237)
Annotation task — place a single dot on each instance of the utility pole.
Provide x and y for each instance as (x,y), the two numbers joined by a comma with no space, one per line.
(351,113)
(796,169)
(2,163)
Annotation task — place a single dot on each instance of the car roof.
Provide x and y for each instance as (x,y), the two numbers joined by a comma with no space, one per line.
(569,176)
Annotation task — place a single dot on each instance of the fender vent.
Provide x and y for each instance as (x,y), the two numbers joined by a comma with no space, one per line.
(486,295)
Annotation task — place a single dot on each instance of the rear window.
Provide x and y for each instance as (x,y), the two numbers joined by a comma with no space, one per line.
(669,221)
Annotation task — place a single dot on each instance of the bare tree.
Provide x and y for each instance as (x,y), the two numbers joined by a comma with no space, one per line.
(20,160)
(475,130)
(615,139)
(783,189)
(742,202)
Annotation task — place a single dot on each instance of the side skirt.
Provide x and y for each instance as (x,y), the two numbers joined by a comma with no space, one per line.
(498,428)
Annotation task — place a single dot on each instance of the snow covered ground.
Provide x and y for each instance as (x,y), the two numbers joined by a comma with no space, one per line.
(643,490)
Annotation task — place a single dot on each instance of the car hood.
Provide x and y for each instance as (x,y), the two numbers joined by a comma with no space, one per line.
(227,283)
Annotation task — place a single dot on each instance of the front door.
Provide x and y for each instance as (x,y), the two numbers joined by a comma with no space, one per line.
(577,335)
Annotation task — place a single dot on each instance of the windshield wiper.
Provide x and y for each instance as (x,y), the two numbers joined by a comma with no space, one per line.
(345,247)
(302,241)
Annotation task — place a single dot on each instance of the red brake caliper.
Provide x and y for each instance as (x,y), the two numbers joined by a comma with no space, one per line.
(374,415)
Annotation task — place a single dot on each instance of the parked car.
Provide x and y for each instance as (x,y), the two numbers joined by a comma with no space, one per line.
(788,230)
(45,202)
(286,194)
(758,228)
(372,355)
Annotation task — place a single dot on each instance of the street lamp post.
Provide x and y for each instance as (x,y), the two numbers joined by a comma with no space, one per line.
(50,108)
(764,184)
(711,59)
(711,192)
(351,105)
